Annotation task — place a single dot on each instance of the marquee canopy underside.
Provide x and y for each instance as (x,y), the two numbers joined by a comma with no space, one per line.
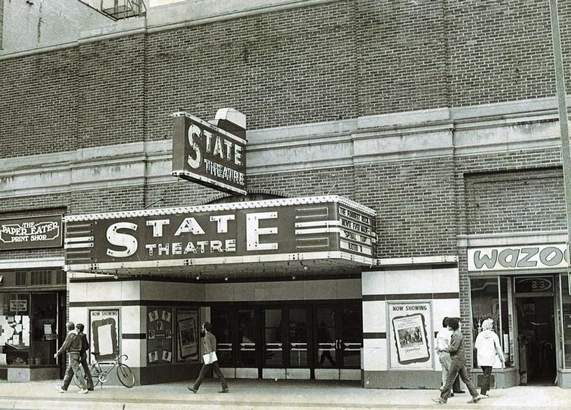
(236,271)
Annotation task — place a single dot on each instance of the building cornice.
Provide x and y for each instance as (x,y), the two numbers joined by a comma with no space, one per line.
(438,133)
(180,15)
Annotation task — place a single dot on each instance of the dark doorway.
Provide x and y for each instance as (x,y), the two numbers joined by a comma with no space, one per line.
(536,337)
(292,340)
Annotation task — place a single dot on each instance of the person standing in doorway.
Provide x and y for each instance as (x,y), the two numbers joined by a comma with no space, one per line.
(71,345)
(442,344)
(457,365)
(83,355)
(209,359)
(489,350)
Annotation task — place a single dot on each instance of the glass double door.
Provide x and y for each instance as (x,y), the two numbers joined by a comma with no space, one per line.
(338,341)
(302,341)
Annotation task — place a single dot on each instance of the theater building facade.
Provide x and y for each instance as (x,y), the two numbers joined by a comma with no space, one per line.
(370,179)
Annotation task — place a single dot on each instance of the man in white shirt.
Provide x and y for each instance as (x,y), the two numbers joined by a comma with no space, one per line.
(442,345)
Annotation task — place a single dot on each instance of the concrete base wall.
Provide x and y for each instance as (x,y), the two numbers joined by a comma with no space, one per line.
(564,378)
(26,374)
(168,373)
(501,378)
(395,379)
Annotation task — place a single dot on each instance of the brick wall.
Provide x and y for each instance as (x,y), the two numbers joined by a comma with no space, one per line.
(310,64)
(38,103)
(402,56)
(415,206)
(289,67)
(334,181)
(516,201)
(501,50)
(107,200)
(471,171)
(111,92)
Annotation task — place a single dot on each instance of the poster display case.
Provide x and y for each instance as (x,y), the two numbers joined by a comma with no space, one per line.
(104,325)
(159,335)
(410,335)
(172,335)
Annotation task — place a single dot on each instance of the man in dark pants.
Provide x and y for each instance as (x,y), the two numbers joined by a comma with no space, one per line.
(209,350)
(457,366)
(71,345)
(83,355)
(442,344)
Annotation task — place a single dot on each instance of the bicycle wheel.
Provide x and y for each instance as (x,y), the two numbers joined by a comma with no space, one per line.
(96,375)
(125,375)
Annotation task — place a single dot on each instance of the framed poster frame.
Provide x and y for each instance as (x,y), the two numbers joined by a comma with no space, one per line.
(187,337)
(410,334)
(115,333)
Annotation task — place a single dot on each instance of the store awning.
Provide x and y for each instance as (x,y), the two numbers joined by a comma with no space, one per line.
(269,238)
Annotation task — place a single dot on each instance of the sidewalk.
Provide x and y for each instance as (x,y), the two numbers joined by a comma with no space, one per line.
(255,394)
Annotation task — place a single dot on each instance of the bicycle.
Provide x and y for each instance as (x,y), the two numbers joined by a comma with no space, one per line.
(99,374)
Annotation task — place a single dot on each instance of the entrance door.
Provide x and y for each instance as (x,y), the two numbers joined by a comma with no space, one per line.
(297,341)
(237,334)
(286,342)
(338,342)
(537,348)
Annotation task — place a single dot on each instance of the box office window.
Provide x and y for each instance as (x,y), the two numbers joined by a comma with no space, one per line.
(489,298)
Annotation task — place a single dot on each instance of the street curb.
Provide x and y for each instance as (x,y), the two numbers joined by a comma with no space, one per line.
(41,403)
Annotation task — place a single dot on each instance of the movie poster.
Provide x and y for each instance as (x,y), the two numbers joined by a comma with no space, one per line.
(187,335)
(410,335)
(104,326)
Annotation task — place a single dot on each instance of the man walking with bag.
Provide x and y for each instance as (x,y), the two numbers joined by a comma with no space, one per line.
(209,359)
(71,345)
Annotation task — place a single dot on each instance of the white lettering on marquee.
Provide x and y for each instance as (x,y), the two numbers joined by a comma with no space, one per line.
(125,240)
(158,226)
(194,131)
(189,225)
(222,222)
(253,231)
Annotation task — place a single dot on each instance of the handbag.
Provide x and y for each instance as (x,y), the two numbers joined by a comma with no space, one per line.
(209,358)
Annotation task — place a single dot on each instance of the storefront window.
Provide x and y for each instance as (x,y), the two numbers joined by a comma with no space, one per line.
(44,331)
(15,329)
(566,312)
(490,299)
